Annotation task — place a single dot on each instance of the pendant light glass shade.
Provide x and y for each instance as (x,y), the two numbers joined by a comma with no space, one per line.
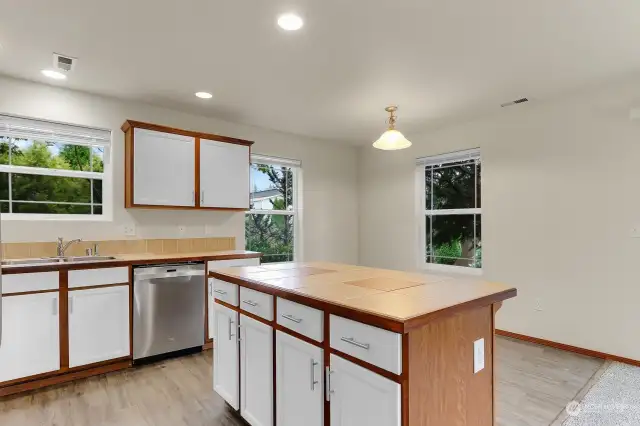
(392,139)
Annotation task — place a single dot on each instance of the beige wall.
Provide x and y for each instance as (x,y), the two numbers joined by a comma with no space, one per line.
(330,200)
(561,194)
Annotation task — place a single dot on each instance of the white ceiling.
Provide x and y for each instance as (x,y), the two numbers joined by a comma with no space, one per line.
(440,60)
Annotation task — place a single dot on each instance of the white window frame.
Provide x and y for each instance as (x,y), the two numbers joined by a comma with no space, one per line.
(297,210)
(422,212)
(51,131)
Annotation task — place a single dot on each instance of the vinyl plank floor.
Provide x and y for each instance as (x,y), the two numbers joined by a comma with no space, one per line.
(534,384)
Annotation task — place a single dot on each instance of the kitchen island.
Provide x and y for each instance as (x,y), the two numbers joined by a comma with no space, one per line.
(330,344)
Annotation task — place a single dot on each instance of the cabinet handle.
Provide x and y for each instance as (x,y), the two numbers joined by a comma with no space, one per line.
(327,383)
(354,342)
(210,289)
(219,291)
(250,303)
(230,333)
(55,306)
(314,382)
(70,304)
(292,318)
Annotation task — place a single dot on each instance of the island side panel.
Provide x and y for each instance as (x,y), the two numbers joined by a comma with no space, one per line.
(443,390)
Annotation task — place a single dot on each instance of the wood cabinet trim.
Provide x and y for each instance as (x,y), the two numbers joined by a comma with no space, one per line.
(373,368)
(92,287)
(26,293)
(132,124)
(298,336)
(63,314)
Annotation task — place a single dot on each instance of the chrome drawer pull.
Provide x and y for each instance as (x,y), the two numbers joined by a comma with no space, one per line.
(354,342)
(327,384)
(314,382)
(250,303)
(219,291)
(230,327)
(292,318)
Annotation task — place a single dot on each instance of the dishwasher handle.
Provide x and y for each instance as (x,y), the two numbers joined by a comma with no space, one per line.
(177,274)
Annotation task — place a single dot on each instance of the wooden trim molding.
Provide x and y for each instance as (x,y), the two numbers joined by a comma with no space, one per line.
(91,287)
(568,348)
(374,368)
(63,314)
(131,124)
(26,293)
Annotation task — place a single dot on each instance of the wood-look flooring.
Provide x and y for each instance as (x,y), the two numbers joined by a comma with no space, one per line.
(534,385)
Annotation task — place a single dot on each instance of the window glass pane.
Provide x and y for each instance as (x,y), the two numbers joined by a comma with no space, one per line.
(454,186)
(4,207)
(477,262)
(428,173)
(97,209)
(429,246)
(50,155)
(97,191)
(4,150)
(97,161)
(478,186)
(452,238)
(4,186)
(49,188)
(271,234)
(271,187)
(50,208)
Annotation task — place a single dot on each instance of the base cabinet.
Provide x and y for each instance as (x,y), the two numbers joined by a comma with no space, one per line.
(225,356)
(256,372)
(362,397)
(300,389)
(98,325)
(30,335)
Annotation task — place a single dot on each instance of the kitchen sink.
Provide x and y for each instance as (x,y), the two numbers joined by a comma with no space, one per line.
(47,260)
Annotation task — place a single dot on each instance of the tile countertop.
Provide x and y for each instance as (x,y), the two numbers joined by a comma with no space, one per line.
(395,295)
(134,259)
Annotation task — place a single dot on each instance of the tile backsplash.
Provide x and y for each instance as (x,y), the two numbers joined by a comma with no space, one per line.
(115,247)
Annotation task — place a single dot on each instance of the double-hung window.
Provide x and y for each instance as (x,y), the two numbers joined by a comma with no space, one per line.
(52,170)
(272,226)
(450,213)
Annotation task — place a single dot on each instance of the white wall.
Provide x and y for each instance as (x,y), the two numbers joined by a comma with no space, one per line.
(561,193)
(330,174)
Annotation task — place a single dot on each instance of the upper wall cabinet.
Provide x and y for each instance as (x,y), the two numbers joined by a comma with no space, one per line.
(172,168)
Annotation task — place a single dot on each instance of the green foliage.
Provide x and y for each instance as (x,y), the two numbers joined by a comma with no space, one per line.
(27,187)
(447,253)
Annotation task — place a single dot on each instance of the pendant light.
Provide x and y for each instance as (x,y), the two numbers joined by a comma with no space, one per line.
(392,139)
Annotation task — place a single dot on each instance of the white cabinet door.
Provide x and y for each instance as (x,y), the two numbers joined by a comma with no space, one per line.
(300,391)
(224,174)
(98,325)
(256,372)
(361,397)
(164,169)
(30,335)
(225,356)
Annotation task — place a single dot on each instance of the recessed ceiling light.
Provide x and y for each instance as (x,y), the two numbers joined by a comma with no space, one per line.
(54,74)
(204,95)
(290,22)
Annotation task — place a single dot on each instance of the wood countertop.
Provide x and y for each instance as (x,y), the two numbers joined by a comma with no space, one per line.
(133,259)
(405,299)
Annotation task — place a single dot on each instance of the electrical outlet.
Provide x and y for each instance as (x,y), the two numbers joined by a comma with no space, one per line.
(538,305)
(130,230)
(478,356)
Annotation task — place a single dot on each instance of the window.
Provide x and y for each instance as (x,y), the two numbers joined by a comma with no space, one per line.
(451,215)
(52,170)
(272,224)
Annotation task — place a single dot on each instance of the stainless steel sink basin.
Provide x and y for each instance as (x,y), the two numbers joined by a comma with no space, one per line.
(48,260)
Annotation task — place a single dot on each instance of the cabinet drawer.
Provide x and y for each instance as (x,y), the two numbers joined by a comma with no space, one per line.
(36,281)
(228,263)
(102,276)
(300,318)
(224,291)
(371,344)
(257,303)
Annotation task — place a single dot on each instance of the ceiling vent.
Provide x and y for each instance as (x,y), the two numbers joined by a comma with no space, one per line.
(516,102)
(64,63)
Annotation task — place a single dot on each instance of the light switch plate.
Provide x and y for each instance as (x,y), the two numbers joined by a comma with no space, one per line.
(478,356)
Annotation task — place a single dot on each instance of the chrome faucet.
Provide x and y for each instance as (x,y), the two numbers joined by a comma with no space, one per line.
(62,247)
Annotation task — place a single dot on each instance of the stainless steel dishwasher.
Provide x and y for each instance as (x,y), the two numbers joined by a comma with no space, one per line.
(168,308)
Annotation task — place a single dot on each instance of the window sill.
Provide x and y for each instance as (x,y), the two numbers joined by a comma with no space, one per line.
(463,270)
(54,217)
